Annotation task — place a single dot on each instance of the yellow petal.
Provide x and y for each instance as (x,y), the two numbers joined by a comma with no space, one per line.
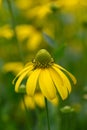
(28,64)
(32,82)
(17,85)
(59,83)
(22,71)
(71,76)
(29,102)
(46,85)
(66,82)
(39,100)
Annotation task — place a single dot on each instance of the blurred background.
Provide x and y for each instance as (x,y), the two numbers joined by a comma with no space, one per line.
(60,26)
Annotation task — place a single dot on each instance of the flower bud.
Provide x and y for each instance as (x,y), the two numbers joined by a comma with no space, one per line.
(67,109)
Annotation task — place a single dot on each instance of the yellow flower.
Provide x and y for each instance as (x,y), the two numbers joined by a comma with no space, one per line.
(14,67)
(69,3)
(39,11)
(31,102)
(45,76)
(36,100)
(32,35)
(6,32)
(23,4)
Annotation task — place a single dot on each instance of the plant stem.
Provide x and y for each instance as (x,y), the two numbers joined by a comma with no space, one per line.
(14,28)
(20,51)
(47,114)
(27,114)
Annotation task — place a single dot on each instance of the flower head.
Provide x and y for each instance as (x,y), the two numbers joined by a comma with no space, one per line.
(45,76)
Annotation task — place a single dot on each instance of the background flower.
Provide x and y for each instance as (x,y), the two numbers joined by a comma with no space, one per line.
(6,32)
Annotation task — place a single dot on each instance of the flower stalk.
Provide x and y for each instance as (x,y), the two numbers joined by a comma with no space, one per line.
(48,122)
(19,48)
(14,26)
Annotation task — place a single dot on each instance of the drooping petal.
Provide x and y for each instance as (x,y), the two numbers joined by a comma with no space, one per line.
(66,82)
(46,84)
(18,82)
(58,83)
(30,67)
(71,76)
(32,82)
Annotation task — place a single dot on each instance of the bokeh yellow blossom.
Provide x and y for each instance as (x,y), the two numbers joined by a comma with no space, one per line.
(32,9)
(37,100)
(23,4)
(32,35)
(14,67)
(45,76)
(39,11)
(6,31)
(32,102)
(69,3)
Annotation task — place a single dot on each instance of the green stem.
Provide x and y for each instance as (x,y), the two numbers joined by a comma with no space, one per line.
(27,114)
(14,28)
(24,104)
(47,114)
(20,50)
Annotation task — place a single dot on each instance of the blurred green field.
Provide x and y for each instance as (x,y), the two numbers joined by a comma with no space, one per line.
(26,26)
